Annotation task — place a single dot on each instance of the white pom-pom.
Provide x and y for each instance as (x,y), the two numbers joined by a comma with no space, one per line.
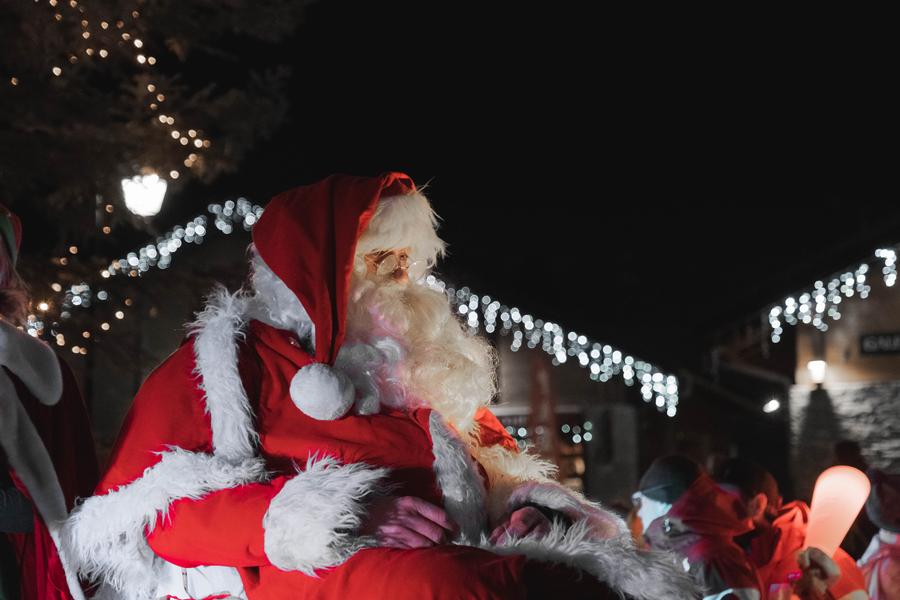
(321,392)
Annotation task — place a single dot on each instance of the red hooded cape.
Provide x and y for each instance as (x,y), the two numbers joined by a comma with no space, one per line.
(701,527)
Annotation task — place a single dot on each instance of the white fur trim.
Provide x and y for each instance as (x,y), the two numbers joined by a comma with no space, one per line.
(275,304)
(311,523)
(459,480)
(360,362)
(32,361)
(373,370)
(507,470)
(104,537)
(571,504)
(401,222)
(217,330)
(638,574)
(29,458)
(321,392)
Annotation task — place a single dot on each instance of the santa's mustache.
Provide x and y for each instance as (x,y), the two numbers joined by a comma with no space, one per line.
(442,363)
(397,309)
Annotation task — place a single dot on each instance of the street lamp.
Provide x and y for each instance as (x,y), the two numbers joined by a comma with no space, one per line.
(144,194)
(771,406)
(817,370)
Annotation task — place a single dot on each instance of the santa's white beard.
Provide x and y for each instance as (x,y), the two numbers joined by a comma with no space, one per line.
(425,356)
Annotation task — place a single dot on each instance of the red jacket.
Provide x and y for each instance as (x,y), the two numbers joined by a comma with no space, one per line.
(773,551)
(701,527)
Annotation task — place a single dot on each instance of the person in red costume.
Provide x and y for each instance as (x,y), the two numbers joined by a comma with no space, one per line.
(46,450)
(325,434)
(684,511)
(881,562)
(779,531)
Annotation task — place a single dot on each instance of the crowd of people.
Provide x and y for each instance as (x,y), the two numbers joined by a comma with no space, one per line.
(741,540)
(326,433)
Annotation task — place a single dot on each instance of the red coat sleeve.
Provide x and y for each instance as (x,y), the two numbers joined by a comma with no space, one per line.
(222,528)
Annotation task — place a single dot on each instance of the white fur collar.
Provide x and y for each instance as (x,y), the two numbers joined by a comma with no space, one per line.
(273,303)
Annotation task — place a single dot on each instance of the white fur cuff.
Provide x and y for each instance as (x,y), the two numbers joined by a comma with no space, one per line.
(573,505)
(311,524)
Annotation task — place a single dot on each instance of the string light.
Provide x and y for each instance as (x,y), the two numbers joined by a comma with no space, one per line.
(573,434)
(822,302)
(602,360)
(137,46)
(225,217)
(34,325)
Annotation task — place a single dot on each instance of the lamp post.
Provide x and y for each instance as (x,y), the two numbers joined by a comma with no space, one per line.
(144,194)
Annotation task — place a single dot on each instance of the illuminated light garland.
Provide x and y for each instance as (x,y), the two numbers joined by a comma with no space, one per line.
(225,217)
(822,302)
(573,434)
(602,360)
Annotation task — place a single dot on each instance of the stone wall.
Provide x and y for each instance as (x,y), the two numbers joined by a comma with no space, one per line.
(868,413)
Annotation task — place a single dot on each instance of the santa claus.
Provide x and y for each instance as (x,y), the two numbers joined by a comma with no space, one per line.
(325,434)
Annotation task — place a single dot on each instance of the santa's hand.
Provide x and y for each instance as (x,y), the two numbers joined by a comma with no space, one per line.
(407,522)
(818,572)
(521,522)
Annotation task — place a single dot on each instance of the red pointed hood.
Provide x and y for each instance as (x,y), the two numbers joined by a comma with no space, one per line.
(307,236)
(708,510)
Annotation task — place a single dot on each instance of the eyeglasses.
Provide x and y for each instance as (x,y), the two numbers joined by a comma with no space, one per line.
(387,263)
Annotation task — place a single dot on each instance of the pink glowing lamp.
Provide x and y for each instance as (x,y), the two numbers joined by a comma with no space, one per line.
(839,495)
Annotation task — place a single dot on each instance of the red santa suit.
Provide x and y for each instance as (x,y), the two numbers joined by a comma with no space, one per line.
(701,527)
(247,460)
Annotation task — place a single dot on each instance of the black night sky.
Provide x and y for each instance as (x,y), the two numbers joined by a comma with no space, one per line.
(617,174)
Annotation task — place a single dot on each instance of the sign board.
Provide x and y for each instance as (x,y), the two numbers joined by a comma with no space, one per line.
(879,343)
